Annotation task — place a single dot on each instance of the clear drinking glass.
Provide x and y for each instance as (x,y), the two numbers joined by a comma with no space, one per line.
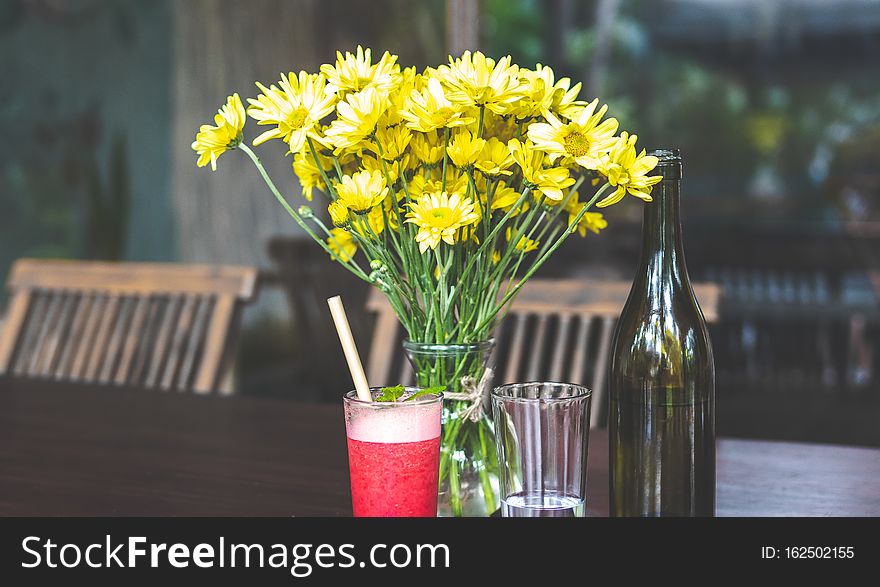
(393,454)
(542,431)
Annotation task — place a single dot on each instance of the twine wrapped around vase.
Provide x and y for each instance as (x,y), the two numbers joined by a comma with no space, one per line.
(474,392)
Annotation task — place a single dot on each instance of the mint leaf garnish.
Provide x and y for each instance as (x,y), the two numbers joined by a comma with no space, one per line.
(426,391)
(391,394)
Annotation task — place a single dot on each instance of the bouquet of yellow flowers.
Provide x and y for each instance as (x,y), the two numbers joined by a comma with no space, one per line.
(447,190)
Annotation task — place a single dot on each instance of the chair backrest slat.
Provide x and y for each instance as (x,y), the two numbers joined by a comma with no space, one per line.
(559,347)
(223,317)
(536,346)
(146,341)
(56,335)
(102,334)
(40,351)
(598,386)
(162,346)
(30,342)
(114,342)
(15,317)
(131,336)
(516,347)
(143,324)
(199,326)
(539,328)
(581,348)
(181,330)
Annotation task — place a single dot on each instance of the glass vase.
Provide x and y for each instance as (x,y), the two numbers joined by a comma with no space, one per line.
(468,458)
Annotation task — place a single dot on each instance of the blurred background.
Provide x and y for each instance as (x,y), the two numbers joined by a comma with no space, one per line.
(775,105)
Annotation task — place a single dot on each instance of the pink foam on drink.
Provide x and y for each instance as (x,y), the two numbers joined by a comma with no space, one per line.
(392,425)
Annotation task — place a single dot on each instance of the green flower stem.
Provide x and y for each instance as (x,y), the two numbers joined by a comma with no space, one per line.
(484,246)
(320,167)
(388,182)
(338,168)
(355,269)
(392,277)
(537,265)
(484,303)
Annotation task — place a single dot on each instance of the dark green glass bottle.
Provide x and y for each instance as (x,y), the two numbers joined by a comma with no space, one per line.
(661,422)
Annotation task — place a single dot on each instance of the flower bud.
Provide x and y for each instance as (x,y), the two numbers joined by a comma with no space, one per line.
(338,214)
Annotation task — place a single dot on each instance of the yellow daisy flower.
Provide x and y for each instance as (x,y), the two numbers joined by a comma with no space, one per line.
(476,80)
(504,197)
(361,191)
(494,159)
(549,182)
(357,118)
(592,221)
(584,139)
(456,183)
(342,244)
(502,128)
(627,171)
(309,175)
(440,216)
(338,214)
(355,72)
(543,94)
(525,245)
(398,96)
(295,107)
(427,147)
(429,109)
(373,164)
(464,148)
(213,141)
(394,141)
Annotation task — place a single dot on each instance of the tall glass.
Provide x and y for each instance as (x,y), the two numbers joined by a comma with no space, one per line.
(393,454)
(542,430)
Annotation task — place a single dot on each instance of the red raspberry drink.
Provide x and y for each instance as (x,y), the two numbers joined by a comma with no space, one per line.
(393,455)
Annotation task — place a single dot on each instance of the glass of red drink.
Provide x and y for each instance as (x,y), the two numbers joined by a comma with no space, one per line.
(394,454)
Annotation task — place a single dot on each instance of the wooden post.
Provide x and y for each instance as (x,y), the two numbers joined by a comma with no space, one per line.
(462,26)
(221,47)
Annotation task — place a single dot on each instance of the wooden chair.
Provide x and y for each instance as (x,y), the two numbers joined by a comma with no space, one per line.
(166,326)
(556,330)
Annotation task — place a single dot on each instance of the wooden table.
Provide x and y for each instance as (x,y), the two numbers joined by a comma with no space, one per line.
(77,450)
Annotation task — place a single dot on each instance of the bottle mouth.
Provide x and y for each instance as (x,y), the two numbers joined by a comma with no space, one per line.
(666,155)
(668,163)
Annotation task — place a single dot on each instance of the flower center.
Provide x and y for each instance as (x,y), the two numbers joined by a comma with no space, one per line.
(441,216)
(297,118)
(577,145)
(482,95)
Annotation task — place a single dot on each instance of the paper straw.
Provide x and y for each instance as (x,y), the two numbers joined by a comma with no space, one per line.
(349,348)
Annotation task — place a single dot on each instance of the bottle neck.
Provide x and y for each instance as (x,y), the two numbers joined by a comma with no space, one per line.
(662,257)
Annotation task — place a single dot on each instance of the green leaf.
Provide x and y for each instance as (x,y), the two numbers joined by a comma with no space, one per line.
(391,394)
(426,391)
